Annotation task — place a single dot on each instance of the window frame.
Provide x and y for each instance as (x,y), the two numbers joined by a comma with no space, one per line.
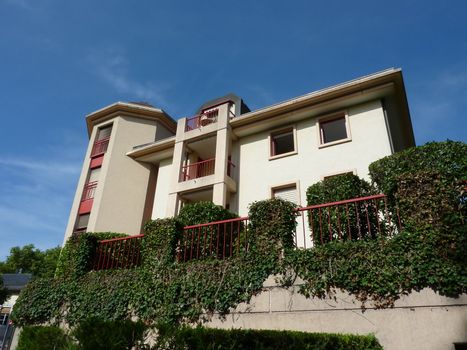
(331,117)
(293,130)
(284,185)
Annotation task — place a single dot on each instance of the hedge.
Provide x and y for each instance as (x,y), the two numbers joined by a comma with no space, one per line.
(200,338)
(44,338)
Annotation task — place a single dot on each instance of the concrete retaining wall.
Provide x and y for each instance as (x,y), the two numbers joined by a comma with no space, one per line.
(421,320)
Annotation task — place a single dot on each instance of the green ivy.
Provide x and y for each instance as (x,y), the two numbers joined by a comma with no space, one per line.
(202,212)
(164,290)
(405,177)
(77,255)
(342,221)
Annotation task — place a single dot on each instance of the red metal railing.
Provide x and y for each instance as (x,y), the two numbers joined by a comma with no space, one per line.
(196,170)
(201,120)
(352,219)
(88,191)
(100,147)
(220,239)
(118,253)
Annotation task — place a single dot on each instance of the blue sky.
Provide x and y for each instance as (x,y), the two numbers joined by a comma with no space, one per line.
(60,60)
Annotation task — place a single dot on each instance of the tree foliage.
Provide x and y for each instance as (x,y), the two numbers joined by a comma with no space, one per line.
(28,259)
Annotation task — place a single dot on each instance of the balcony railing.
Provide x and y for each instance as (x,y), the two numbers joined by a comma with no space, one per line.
(100,147)
(199,169)
(89,190)
(201,120)
(220,239)
(353,219)
(118,253)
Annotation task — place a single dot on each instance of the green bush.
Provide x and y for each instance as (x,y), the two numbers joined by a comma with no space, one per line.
(200,338)
(417,179)
(160,241)
(44,338)
(272,222)
(341,222)
(77,255)
(203,212)
(96,334)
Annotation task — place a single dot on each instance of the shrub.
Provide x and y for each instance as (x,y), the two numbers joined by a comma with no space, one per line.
(96,334)
(203,212)
(340,220)
(44,338)
(420,178)
(219,339)
(77,255)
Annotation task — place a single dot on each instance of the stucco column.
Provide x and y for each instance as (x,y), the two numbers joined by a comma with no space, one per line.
(178,157)
(219,195)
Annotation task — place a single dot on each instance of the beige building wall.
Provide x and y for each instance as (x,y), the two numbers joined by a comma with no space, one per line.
(258,173)
(120,197)
(420,321)
(164,177)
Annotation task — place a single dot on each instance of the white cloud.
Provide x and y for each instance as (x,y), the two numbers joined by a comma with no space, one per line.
(36,195)
(112,66)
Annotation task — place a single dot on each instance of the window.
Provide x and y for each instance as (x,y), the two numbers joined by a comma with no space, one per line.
(354,172)
(287,192)
(104,133)
(283,142)
(334,130)
(82,222)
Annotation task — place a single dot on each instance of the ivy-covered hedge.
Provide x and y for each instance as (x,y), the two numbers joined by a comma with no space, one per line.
(77,255)
(161,289)
(203,212)
(428,182)
(341,219)
(382,270)
(186,338)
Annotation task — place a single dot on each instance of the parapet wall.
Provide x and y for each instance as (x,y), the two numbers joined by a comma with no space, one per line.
(421,320)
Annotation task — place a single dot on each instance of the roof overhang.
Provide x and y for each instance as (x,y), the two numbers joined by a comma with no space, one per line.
(130,110)
(154,152)
(374,86)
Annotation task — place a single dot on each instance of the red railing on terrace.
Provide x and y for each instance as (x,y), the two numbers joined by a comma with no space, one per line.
(201,120)
(199,169)
(352,219)
(100,147)
(118,253)
(220,239)
(88,191)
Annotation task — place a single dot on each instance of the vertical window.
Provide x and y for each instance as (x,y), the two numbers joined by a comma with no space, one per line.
(333,130)
(282,142)
(104,133)
(287,192)
(102,141)
(82,222)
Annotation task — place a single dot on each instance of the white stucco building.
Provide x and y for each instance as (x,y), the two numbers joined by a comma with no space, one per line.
(141,164)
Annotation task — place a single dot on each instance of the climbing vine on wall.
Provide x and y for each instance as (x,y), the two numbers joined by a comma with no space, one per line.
(164,290)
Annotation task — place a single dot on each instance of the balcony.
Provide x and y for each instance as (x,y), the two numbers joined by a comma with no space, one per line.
(201,120)
(99,147)
(87,198)
(201,169)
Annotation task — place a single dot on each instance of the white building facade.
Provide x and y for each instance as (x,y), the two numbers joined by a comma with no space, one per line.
(141,164)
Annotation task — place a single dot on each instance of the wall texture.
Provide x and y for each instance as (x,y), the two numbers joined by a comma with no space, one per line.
(422,320)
